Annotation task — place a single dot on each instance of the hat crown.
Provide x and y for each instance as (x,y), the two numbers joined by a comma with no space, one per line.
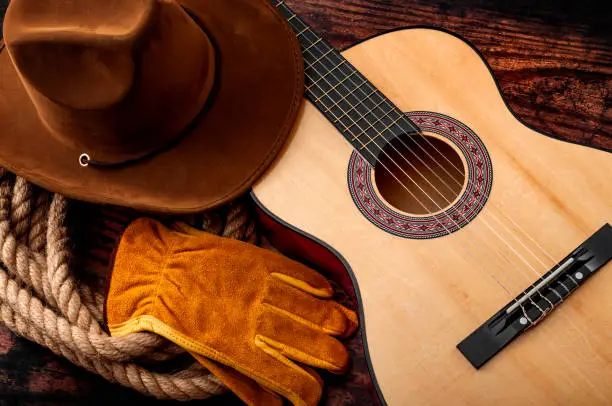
(117,78)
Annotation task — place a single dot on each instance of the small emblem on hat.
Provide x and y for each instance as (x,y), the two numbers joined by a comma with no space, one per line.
(84,160)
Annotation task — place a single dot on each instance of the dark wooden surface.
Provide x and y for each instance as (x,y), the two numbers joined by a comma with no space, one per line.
(553,60)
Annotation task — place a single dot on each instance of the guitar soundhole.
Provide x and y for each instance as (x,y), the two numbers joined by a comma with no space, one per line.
(424,187)
(420,175)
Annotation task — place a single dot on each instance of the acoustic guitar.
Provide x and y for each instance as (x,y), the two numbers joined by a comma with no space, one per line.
(478,247)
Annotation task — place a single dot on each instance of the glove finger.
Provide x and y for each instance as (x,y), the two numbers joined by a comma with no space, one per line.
(301,343)
(327,316)
(301,277)
(271,370)
(279,374)
(249,391)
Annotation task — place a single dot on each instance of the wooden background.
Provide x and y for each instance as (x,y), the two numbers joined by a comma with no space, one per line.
(553,60)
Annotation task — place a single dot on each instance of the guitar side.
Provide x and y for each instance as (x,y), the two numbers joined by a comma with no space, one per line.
(422,297)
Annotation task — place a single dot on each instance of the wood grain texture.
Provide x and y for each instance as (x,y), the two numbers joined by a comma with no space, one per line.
(553,61)
(421,297)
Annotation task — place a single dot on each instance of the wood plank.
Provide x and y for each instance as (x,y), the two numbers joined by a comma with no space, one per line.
(553,60)
(554,65)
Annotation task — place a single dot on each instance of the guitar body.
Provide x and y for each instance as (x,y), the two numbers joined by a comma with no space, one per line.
(422,294)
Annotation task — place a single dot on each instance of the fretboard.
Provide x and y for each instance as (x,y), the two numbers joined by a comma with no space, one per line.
(362,114)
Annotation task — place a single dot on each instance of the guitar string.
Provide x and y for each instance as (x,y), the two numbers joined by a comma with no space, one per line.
(565,317)
(515,283)
(417,131)
(514,235)
(372,139)
(281,2)
(384,100)
(577,329)
(470,180)
(420,203)
(503,287)
(522,308)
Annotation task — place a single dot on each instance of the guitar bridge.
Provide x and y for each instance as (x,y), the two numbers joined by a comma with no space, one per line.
(539,300)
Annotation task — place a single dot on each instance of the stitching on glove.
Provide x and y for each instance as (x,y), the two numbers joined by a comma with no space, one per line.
(301,320)
(305,286)
(316,362)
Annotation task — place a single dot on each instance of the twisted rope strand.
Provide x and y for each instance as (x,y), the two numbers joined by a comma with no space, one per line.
(41,299)
(21,209)
(180,386)
(20,261)
(38,231)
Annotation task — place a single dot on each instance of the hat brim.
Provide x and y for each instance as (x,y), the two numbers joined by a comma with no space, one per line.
(259,87)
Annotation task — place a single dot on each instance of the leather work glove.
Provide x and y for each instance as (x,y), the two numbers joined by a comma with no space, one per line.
(253,317)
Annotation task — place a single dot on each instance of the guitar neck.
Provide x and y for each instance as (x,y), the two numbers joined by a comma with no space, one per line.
(361,112)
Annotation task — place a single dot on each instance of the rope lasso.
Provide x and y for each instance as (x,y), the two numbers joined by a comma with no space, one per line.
(41,299)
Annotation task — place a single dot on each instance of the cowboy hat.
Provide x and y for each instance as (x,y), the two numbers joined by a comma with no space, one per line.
(162,105)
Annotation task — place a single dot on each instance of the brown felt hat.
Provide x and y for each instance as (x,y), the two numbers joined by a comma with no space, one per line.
(161,105)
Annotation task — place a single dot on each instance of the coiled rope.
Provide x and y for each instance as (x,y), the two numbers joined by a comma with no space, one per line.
(41,299)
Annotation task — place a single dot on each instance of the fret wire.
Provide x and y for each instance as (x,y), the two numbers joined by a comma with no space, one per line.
(322,56)
(397,179)
(313,44)
(364,146)
(382,150)
(319,99)
(383,131)
(323,77)
(355,137)
(393,109)
(328,109)
(396,164)
(403,118)
(297,25)
(335,86)
(411,125)
(359,86)
(322,47)
(373,154)
(351,92)
(302,32)
(370,124)
(352,108)
(334,105)
(311,66)
(348,94)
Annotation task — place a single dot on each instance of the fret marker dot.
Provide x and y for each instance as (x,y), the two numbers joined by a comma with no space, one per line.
(523,321)
(579,275)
